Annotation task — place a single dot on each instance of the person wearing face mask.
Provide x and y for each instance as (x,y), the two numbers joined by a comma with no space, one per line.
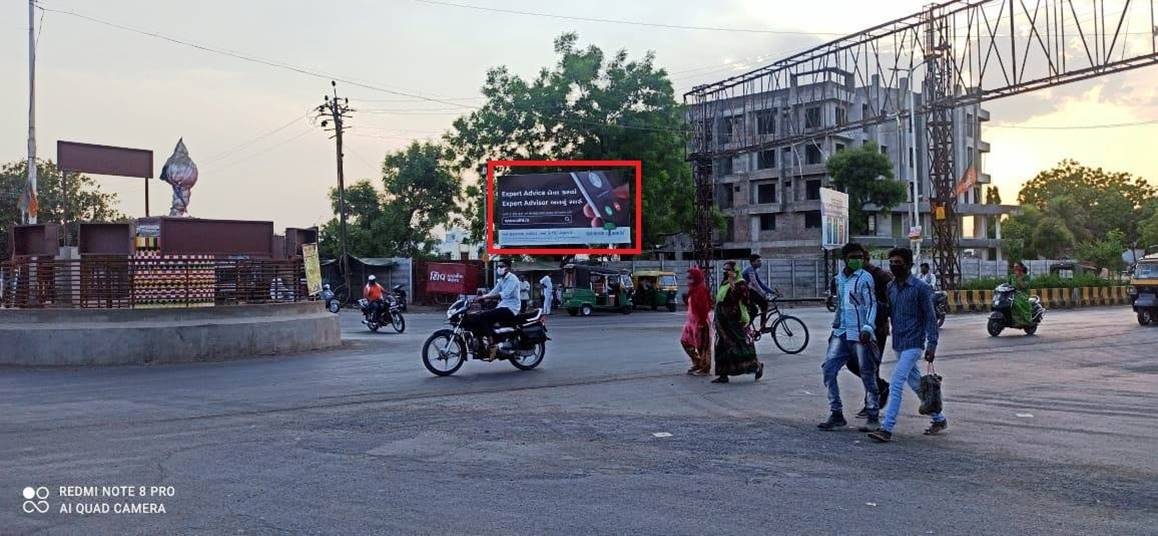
(914,334)
(507,291)
(853,331)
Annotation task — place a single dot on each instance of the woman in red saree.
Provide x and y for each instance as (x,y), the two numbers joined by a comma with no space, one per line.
(696,335)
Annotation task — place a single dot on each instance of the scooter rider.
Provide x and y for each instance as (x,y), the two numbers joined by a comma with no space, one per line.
(373,293)
(507,290)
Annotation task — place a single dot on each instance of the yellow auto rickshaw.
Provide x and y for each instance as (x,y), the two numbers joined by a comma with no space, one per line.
(655,289)
(1144,289)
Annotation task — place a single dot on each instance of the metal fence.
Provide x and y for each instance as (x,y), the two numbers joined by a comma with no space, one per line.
(128,282)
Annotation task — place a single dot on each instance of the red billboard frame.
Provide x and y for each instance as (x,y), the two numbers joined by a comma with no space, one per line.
(637,238)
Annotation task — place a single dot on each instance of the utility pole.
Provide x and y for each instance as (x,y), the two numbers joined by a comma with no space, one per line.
(338,110)
(32,194)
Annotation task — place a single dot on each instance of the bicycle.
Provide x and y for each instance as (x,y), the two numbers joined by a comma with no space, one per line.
(788,332)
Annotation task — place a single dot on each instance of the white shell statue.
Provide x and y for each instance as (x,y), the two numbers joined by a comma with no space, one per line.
(181,173)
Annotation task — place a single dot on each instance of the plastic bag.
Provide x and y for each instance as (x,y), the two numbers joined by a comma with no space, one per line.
(930,392)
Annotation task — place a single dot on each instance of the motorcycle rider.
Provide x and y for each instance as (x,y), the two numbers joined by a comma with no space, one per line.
(373,292)
(507,290)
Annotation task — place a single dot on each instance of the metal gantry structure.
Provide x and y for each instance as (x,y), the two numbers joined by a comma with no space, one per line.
(972,51)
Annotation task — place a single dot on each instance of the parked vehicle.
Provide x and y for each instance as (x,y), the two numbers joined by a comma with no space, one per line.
(654,289)
(389,313)
(590,288)
(523,343)
(1143,289)
(399,296)
(330,299)
(940,306)
(1002,315)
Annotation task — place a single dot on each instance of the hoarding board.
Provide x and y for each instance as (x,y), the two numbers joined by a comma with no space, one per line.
(834,218)
(313,267)
(589,207)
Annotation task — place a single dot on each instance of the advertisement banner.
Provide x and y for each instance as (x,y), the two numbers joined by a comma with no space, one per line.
(567,208)
(313,268)
(446,278)
(834,218)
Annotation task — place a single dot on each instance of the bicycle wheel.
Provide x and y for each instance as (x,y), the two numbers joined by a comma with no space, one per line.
(790,334)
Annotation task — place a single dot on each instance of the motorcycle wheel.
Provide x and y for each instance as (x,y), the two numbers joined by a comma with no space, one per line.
(1031,329)
(449,353)
(334,306)
(373,326)
(830,304)
(994,327)
(532,359)
(398,322)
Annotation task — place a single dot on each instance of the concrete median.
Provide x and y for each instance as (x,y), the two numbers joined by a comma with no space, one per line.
(77,337)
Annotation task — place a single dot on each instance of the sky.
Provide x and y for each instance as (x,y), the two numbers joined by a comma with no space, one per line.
(248,127)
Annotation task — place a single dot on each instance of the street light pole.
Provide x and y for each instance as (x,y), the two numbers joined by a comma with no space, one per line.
(32,194)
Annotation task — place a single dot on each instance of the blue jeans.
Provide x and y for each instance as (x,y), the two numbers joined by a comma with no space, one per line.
(840,349)
(906,371)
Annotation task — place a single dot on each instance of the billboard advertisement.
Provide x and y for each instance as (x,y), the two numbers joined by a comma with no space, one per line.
(585,208)
(446,278)
(834,218)
(313,267)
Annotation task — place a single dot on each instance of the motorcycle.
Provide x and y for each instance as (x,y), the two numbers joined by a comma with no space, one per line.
(389,313)
(330,299)
(940,306)
(399,295)
(1002,315)
(523,343)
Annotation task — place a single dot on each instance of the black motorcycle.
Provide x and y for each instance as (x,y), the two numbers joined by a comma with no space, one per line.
(940,306)
(523,343)
(1002,315)
(399,296)
(389,313)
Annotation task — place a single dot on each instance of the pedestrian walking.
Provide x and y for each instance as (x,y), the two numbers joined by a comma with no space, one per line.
(697,330)
(853,331)
(548,289)
(927,277)
(881,279)
(914,334)
(735,350)
(524,292)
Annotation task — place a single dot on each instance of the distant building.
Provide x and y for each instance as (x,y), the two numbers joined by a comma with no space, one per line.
(456,245)
(771,199)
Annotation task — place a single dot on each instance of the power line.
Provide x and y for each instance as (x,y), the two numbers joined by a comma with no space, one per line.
(1078,127)
(620,21)
(235,148)
(251,156)
(251,59)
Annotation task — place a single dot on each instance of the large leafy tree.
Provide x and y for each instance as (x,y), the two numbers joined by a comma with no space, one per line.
(589,106)
(86,201)
(1092,201)
(420,192)
(866,176)
(1106,252)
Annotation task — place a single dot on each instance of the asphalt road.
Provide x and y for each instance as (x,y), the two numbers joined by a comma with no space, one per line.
(1052,434)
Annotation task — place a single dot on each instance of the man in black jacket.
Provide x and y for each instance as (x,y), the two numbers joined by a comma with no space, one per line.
(881,280)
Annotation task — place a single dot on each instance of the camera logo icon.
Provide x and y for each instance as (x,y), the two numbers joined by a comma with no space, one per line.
(35,500)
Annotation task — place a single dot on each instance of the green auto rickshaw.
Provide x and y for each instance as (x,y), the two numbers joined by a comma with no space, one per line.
(587,289)
(655,289)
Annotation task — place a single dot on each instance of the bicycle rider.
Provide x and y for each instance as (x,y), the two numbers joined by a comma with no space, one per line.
(761,294)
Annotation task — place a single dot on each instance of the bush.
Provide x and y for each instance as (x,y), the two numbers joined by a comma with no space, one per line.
(1045,281)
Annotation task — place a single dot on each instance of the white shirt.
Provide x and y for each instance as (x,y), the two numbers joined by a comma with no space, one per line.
(929,279)
(507,289)
(547,283)
(525,290)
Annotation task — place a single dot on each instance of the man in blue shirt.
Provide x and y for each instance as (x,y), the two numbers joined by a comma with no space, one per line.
(758,292)
(852,335)
(507,291)
(914,333)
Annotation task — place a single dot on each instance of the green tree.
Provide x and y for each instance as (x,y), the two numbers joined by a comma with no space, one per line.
(1104,253)
(866,176)
(86,201)
(1148,231)
(420,192)
(1096,201)
(1051,238)
(587,106)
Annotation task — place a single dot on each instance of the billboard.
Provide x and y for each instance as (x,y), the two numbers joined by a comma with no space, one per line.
(104,160)
(446,278)
(834,218)
(588,207)
(313,267)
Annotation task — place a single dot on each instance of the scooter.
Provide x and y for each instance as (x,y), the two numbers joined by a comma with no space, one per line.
(330,299)
(1002,315)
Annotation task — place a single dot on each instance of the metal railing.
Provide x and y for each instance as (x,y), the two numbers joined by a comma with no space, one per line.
(110,282)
